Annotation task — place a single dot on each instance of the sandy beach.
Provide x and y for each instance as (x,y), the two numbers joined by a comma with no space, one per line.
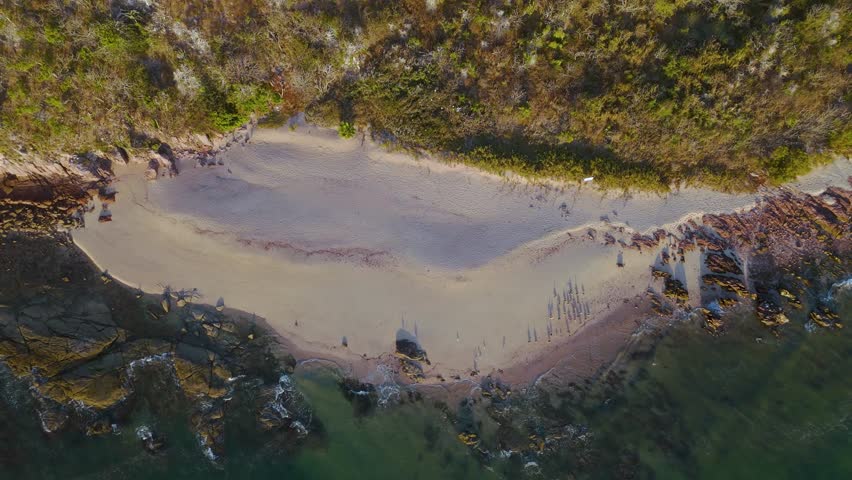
(339,241)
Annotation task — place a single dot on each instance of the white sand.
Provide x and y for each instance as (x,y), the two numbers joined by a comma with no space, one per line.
(351,241)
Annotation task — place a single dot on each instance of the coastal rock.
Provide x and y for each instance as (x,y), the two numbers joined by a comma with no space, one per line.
(722,264)
(411,369)
(362,396)
(22,214)
(54,338)
(46,180)
(659,306)
(209,425)
(792,299)
(823,316)
(199,377)
(711,321)
(792,243)
(468,438)
(83,344)
(657,273)
(151,173)
(411,350)
(789,225)
(284,409)
(411,356)
(648,242)
(771,314)
(726,302)
(675,290)
(152,442)
(728,284)
(495,390)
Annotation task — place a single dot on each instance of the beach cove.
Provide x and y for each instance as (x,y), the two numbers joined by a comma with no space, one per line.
(345,248)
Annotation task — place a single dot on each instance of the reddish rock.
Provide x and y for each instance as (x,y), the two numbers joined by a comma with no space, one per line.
(723,264)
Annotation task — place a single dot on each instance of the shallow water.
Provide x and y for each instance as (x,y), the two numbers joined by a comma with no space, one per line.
(415,439)
(745,404)
(741,405)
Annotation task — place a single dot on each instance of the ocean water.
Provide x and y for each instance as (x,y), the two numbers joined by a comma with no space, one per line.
(746,404)
(683,405)
(415,438)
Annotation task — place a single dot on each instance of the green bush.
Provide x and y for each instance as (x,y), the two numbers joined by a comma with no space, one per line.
(346,130)
(785,164)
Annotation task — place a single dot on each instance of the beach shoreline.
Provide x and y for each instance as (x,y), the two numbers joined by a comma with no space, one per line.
(337,243)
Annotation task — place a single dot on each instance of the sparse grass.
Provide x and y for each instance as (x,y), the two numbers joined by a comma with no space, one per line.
(638,94)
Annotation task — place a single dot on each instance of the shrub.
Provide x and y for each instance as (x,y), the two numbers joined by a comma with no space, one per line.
(785,164)
(637,94)
(346,130)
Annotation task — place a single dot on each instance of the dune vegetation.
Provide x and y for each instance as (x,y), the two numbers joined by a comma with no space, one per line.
(640,94)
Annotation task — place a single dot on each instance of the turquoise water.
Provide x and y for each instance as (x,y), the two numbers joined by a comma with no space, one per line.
(746,404)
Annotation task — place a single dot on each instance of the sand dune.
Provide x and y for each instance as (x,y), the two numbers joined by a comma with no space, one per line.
(331,238)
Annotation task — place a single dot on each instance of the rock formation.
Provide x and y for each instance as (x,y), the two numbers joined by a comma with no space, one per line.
(82,341)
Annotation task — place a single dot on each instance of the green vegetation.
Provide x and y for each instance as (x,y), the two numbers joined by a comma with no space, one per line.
(638,94)
(346,130)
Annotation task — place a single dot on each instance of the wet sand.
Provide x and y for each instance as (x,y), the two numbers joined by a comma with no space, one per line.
(333,239)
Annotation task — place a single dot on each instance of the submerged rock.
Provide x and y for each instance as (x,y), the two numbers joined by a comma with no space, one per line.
(152,442)
(792,299)
(771,314)
(468,438)
(362,396)
(823,316)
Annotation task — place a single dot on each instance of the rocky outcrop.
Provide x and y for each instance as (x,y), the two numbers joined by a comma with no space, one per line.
(362,396)
(494,389)
(721,263)
(675,290)
(711,320)
(657,273)
(789,225)
(60,212)
(825,317)
(771,314)
(795,245)
(55,180)
(647,242)
(41,179)
(44,196)
(411,358)
(83,341)
(781,255)
(728,284)
(411,350)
